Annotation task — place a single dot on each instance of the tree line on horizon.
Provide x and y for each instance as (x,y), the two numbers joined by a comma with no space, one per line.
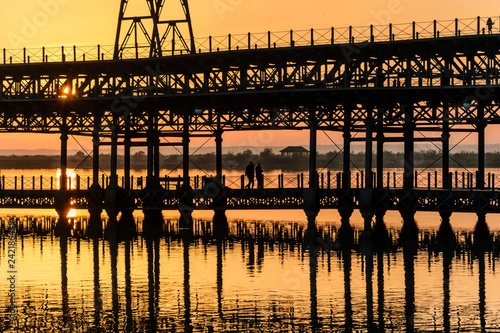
(268,159)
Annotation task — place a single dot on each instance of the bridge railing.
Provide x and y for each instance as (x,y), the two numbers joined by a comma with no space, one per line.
(325,180)
(280,39)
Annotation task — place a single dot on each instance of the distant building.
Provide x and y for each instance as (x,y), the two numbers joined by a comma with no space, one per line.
(294,151)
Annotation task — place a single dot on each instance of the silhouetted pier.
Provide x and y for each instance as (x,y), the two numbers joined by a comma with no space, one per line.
(417,82)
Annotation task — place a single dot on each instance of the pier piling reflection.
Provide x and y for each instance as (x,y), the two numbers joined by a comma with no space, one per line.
(264,275)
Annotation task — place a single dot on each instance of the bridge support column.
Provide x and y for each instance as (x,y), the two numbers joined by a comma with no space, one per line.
(220,224)
(218,154)
(445,237)
(346,233)
(186,202)
(346,163)
(369,149)
(126,225)
(62,197)
(220,220)
(111,192)
(481,126)
(380,157)
(366,238)
(380,234)
(94,228)
(446,148)
(153,218)
(482,237)
(409,231)
(408,129)
(311,206)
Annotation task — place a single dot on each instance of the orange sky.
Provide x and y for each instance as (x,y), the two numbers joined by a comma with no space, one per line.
(66,22)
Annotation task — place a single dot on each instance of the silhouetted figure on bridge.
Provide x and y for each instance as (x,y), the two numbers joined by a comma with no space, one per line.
(489,24)
(259,174)
(250,173)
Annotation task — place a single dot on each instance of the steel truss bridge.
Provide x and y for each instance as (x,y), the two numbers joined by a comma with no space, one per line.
(421,82)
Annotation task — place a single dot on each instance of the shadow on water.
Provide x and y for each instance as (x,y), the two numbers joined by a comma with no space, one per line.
(322,250)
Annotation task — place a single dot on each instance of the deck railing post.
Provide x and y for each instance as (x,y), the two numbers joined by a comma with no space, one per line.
(435,28)
(413,30)
(456,27)
(478,25)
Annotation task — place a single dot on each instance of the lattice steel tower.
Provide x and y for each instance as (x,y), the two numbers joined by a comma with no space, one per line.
(162,26)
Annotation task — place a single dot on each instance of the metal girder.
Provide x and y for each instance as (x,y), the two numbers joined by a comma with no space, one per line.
(153,31)
(260,89)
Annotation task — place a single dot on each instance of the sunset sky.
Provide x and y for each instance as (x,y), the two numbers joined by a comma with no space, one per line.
(38,23)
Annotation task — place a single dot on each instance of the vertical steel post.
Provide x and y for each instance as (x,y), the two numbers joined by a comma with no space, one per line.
(64,159)
(113,181)
(369,148)
(126,160)
(445,136)
(380,157)
(150,157)
(218,152)
(313,181)
(408,129)
(185,151)
(481,126)
(346,174)
(95,153)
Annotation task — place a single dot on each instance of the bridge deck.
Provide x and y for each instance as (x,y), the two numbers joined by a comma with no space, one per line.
(473,200)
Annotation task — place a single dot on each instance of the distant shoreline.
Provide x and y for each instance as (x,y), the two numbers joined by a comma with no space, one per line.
(268,158)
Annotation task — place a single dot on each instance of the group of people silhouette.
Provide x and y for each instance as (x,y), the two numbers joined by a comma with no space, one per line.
(252,172)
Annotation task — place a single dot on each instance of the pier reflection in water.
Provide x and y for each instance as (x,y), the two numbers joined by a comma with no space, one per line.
(258,276)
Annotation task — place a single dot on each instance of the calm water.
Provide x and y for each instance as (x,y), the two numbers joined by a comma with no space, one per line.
(262,276)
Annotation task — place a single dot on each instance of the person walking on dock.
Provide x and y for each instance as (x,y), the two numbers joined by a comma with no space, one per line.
(489,24)
(259,175)
(250,172)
